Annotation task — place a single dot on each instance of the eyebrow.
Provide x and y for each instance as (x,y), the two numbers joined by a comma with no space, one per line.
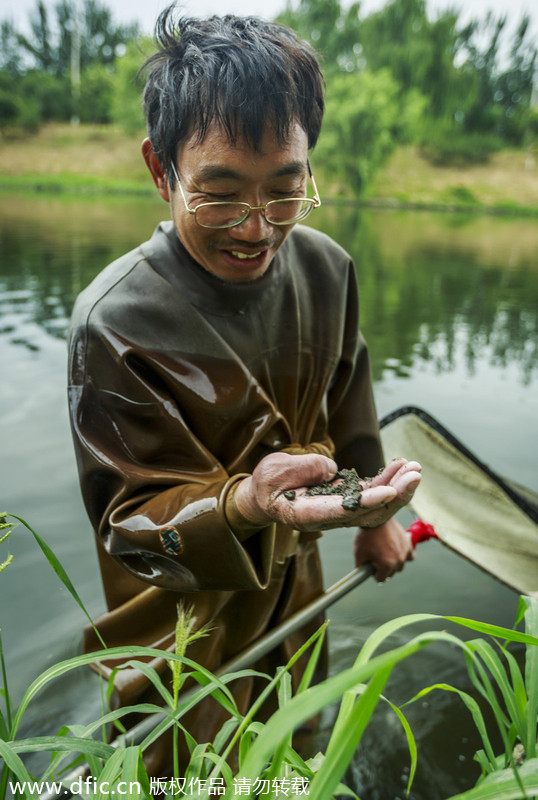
(215,171)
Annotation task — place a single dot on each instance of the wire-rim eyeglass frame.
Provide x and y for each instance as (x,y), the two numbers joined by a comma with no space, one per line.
(308,205)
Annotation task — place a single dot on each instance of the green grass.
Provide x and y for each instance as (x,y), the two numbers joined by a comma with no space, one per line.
(98,159)
(508,183)
(265,752)
(65,183)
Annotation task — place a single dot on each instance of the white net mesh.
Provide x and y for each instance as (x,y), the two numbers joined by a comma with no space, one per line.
(469,511)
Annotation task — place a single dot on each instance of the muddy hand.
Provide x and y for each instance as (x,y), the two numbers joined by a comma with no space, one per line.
(277,491)
(404,477)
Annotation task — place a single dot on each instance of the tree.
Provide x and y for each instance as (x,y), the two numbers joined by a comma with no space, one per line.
(16,110)
(474,100)
(68,42)
(50,94)
(9,109)
(96,94)
(333,31)
(10,60)
(366,116)
(39,45)
(127,109)
(100,39)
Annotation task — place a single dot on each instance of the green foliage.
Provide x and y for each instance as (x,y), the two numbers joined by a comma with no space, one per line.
(455,74)
(462,196)
(6,529)
(445,144)
(441,74)
(127,110)
(366,116)
(89,32)
(10,110)
(9,49)
(532,125)
(497,100)
(332,30)
(96,94)
(39,45)
(512,696)
(418,53)
(64,67)
(265,751)
(50,94)
(27,99)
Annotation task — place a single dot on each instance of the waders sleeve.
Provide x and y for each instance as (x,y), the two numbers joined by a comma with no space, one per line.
(156,496)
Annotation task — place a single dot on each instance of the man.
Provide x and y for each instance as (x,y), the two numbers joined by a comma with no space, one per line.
(217,370)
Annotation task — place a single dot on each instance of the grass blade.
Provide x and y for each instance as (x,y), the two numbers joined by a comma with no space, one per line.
(518,685)
(7,699)
(531,677)
(15,765)
(313,700)
(60,571)
(341,748)
(482,683)
(476,714)
(109,776)
(130,773)
(411,743)
(308,674)
(496,668)
(57,670)
(64,744)
(284,696)
(269,688)
(387,629)
(153,678)
(494,630)
(503,785)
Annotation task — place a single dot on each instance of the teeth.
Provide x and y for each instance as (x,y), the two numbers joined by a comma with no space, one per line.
(237,254)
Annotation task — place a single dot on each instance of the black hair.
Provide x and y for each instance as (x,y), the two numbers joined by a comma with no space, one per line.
(239,72)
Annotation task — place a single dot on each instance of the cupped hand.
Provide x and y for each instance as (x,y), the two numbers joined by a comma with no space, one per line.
(261,498)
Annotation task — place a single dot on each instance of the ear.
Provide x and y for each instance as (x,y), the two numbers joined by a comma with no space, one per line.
(157,172)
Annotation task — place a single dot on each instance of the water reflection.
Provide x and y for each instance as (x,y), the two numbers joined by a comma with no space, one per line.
(52,248)
(449,307)
(442,289)
(439,290)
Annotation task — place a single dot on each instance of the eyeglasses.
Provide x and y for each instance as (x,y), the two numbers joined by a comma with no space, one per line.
(277,212)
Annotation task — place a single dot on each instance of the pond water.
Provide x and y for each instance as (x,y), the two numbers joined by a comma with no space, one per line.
(450,311)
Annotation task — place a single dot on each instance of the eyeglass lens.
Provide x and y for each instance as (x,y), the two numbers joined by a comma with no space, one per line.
(217,215)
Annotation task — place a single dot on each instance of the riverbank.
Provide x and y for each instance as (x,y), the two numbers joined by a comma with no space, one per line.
(507,183)
(94,159)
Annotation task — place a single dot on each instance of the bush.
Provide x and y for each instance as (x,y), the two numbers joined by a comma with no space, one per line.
(96,94)
(265,752)
(127,110)
(366,117)
(51,95)
(17,114)
(9,110)
(446,146)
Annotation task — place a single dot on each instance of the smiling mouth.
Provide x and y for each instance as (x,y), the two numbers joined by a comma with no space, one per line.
(237,254)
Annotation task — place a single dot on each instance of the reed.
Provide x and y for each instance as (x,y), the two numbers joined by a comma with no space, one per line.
(267,762)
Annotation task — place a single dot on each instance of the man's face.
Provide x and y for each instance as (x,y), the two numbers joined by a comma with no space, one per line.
(215,170)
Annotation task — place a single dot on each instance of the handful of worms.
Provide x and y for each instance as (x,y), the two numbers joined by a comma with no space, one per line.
(345,482)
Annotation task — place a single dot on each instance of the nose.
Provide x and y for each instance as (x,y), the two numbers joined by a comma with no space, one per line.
(253,229)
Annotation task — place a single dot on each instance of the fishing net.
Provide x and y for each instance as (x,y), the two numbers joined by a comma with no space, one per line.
(476,513)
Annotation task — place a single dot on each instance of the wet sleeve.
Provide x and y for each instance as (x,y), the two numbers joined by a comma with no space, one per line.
(353,423)
(155,493)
